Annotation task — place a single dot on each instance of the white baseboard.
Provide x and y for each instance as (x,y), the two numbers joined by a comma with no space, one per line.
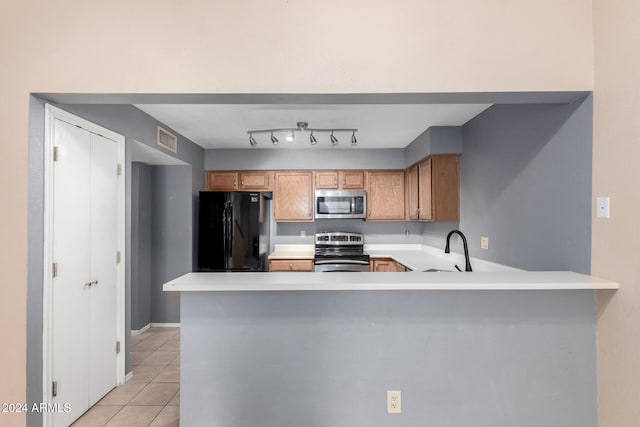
(128,376)
(141,330)
(165,325)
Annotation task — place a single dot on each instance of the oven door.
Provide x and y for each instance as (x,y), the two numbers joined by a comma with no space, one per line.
(335,265)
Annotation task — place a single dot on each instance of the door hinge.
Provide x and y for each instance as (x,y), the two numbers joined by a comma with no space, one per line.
(117,347)
(119,169)
(118,257)
(54,270)
(55,154)
(54,388)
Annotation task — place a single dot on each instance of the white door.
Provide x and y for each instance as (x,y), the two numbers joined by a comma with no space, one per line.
(84,312)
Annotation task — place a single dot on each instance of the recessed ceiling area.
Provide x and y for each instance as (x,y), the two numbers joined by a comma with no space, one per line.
(216,126)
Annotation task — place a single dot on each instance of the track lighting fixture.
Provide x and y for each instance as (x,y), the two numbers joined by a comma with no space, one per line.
(302,127)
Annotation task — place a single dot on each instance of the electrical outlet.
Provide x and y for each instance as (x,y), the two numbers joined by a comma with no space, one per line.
(303,233)
(484,242)
(394,402)
(603,207)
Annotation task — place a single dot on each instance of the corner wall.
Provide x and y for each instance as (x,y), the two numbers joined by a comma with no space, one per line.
(526,184)
(616,241)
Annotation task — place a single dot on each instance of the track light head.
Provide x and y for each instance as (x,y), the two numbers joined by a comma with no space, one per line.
(252,141)
(334,140)
(274,140)
(313,139)
(354,141)
(291,137)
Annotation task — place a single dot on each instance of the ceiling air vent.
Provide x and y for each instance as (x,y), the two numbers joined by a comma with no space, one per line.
(167,140)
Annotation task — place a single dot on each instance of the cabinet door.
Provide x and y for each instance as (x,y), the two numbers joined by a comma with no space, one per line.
(382,265)
(256,181)
(222,181)
(445,186)
(385,196)
(412,193)
(291,265)
(351,180)
(293,197)
(326,180)
(425,194)
(399,267)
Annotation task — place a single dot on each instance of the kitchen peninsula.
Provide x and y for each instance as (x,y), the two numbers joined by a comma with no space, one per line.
(484,348)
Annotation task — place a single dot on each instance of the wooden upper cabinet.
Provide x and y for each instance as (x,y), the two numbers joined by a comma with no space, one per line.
(293,196)
(338,180)
(256,181)
(386,196)
(413,195)
(351,180)
(325,180)
(439,188)
(222,181)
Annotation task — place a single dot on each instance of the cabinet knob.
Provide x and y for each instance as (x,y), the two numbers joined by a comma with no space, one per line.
(290,266)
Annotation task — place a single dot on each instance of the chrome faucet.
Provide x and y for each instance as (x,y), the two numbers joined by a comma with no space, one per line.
(467,266)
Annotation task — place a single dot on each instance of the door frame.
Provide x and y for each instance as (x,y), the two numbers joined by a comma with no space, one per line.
(52,113)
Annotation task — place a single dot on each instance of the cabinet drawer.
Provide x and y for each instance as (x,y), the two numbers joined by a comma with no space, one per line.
(291,265)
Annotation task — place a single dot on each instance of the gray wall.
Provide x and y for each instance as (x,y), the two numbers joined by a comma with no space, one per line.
(526,184)
(317,158)
(141,218)
(435,140)
(375,232)
(35,271)
(171,237)
(133,124)
(318,359)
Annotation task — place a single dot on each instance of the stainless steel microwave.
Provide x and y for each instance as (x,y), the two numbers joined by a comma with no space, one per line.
(330,204)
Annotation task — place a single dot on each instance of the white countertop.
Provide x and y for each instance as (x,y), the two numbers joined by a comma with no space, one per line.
(477,281)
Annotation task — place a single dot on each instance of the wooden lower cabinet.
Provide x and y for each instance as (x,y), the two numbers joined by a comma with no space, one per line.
(386,196)
(386,265)
(291,265)
(293,197)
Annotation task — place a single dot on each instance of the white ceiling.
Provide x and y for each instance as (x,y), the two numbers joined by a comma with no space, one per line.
(379,125)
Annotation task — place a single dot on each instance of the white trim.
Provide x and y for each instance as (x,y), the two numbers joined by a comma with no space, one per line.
(141,330)
(128,377)
(52,113)
(165,325)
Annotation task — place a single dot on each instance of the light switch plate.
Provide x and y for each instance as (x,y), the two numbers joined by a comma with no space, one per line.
(484,242)
(603,207)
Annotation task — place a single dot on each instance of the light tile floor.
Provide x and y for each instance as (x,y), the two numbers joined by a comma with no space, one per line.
(152,397)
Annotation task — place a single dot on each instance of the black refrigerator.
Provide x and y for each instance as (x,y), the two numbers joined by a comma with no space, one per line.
(233,232)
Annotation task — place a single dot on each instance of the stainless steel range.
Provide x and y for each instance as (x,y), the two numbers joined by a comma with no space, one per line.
(340,252)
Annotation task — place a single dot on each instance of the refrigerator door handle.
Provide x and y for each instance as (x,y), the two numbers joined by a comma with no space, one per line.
(230,230)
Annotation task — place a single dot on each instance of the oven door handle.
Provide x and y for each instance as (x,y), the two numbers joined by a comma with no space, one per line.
(341,261)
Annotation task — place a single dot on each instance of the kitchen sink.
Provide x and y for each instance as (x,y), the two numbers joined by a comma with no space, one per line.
(436,270)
